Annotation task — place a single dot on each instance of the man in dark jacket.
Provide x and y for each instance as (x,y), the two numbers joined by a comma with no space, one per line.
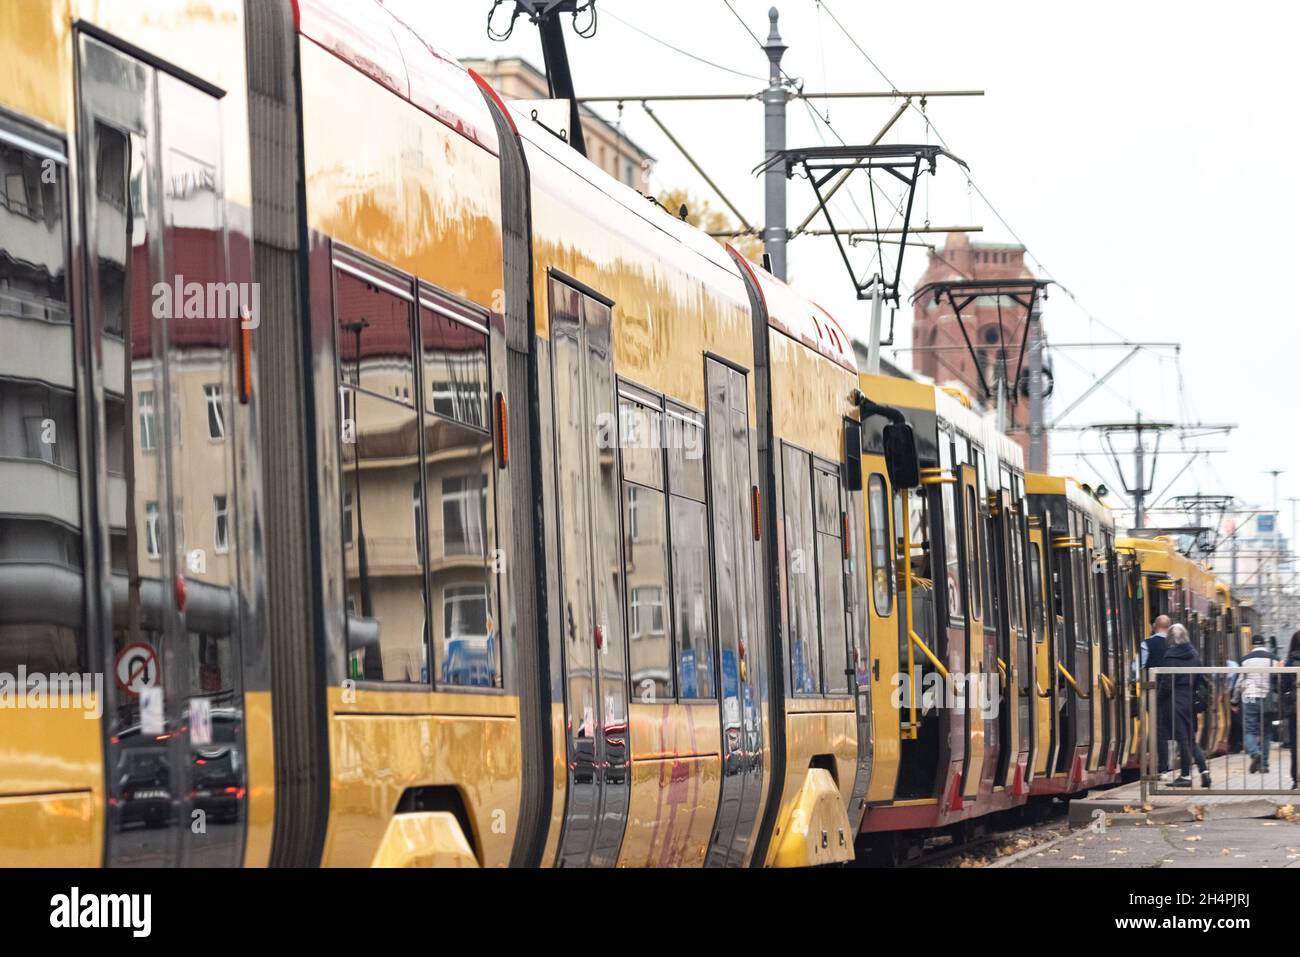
(1179,653)
(1153,656)
(1153,649)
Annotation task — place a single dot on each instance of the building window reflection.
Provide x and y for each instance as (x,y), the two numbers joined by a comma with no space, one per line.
(468,651)
(646,612)
(464,507)
(455,357)
(148,441)
(633,515)
(221,524)
(151,539)
(216,412)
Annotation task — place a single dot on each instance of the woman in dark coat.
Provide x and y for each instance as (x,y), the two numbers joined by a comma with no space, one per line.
(1181,654)
(1289,700)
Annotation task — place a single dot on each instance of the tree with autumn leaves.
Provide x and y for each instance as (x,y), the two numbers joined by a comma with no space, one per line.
(700,213)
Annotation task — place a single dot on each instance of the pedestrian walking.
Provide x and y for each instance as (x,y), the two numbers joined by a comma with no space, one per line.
(1185,690)
(1289,701)
(1153,656)
(1255,693)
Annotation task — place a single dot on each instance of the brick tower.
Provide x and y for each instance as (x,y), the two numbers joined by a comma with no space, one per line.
(940,351)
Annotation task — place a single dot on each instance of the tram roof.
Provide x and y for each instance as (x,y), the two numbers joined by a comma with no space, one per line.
(374,41)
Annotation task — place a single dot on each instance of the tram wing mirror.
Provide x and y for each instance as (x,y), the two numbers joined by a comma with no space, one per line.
(852,455)
(900,456)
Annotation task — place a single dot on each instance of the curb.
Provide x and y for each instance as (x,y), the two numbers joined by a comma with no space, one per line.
(1082,811)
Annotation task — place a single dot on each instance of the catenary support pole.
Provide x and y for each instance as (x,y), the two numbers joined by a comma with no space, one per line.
(774,180)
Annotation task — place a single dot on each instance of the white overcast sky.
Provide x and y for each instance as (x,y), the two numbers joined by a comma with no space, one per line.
(1146,152)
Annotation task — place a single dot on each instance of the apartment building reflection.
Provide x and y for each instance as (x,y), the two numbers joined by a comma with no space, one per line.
(170,459)
(417,514)
(41,607)
(168,463)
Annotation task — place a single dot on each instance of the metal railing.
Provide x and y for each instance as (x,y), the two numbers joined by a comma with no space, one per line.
(1245,708)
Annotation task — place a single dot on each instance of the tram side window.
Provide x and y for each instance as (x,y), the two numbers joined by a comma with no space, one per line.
(991,599)
(1068,569)
(454,354)
(952,555)
(692,597)
(1102,606)
(380,446)
(458,475)
(801,572)
(666,551)
(1058,593)
(645,552)
(882,566)
(684,437)
(1083,598)
(917,549)
(830,566)
(974,558)
(1105,609)
(40,522)
(1016,591)
(1086,571)
(1037,613)
(688,531)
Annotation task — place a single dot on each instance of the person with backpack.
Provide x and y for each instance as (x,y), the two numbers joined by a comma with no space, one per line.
(1255,691)
(1188,691)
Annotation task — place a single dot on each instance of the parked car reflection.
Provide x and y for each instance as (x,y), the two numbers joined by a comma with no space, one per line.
(142,791)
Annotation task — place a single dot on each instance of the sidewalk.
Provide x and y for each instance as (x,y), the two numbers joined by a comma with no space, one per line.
(1124,805)
(1224,843)
(1114,828)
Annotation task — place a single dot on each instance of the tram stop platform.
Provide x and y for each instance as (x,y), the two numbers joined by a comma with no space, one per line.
(1114,827)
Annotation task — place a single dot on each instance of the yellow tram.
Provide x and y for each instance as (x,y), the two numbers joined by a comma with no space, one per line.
(401,490)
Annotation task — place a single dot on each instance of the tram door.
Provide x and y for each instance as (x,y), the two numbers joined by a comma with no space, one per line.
(1013,646)
(1076,650)
(1110,676)
(1092,666)
(735,586)
(168,538)
(1065,704)
(981,730)
(1047,732)
(591,608)
(1128,599)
